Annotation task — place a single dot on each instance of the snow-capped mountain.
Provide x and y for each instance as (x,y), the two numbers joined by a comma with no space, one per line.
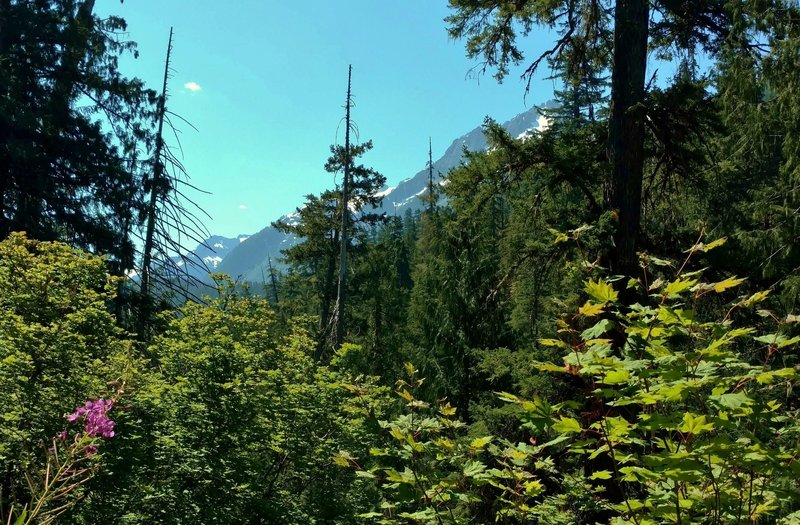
(406,195)
(210,253)
(247,260)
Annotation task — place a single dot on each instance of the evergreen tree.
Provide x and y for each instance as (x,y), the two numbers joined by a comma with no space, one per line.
(380,291)
(71,127)
(319,227)
(714,26)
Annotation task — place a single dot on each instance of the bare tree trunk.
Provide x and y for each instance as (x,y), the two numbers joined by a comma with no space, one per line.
(325,319)
(272,280)
(431,197)
(343,237)
(626,130)
(5,128)
(156,188)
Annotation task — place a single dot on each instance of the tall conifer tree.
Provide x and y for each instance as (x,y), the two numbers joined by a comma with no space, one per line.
(70,173)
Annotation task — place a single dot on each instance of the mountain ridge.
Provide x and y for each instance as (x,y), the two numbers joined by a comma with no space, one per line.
(247,260)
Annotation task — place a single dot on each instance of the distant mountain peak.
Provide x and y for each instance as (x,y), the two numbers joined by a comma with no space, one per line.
(246,255)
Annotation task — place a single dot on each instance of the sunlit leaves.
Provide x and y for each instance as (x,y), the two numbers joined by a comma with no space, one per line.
(601,291)
(566,425)
(591,309)
(677,287)
(598,329)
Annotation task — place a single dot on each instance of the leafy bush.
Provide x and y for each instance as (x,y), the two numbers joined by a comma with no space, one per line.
(680,420)
(59,346)
(234,423)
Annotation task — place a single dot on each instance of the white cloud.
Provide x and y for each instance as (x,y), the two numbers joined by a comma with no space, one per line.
(192,86)
(242,206)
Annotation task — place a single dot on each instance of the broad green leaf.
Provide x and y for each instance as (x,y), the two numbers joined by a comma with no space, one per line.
(533,488)
(789,342)
(730,282)
(679,286)
(342,462)
(694,424)
(550,367)
(553,342)
(481,442)
(591,309)
(420,516)
(755,298)
(634,474)
(601,291)
(472,468)
(559,237)
(616,377)
(398,434)
(766,378)
(567,425)
(732,401)
(659,262)
(596,342)
(773,339)
(447,410)
(405,394)
(406,477)
(713,244)
(601,327)
(508,398)
(601,474)
(703,247)
(655,285)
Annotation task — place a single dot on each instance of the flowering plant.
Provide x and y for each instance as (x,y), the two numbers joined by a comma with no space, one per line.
(69,464)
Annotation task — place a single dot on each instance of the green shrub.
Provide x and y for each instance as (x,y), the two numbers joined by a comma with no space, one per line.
(59,346)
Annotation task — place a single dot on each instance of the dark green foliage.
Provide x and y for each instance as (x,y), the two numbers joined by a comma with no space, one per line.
(683,420)
(71,126)
(318,224)
(661,390)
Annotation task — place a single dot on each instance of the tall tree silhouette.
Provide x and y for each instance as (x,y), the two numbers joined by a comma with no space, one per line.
(716,27)
(169,222)
(71,128)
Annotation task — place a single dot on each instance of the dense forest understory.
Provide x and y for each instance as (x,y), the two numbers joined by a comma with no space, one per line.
(593,323)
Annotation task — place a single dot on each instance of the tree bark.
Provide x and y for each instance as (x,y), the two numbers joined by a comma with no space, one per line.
(343,238)
(626,129)
(5,132)
(325,319)
(156,188)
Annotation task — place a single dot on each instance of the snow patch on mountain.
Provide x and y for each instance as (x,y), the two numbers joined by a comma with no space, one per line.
(387,191)
(213,262)
(542,124)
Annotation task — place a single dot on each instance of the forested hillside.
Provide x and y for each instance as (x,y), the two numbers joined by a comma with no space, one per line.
(595,321)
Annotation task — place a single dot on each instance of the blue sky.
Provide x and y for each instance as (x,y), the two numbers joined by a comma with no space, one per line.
(264,83)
